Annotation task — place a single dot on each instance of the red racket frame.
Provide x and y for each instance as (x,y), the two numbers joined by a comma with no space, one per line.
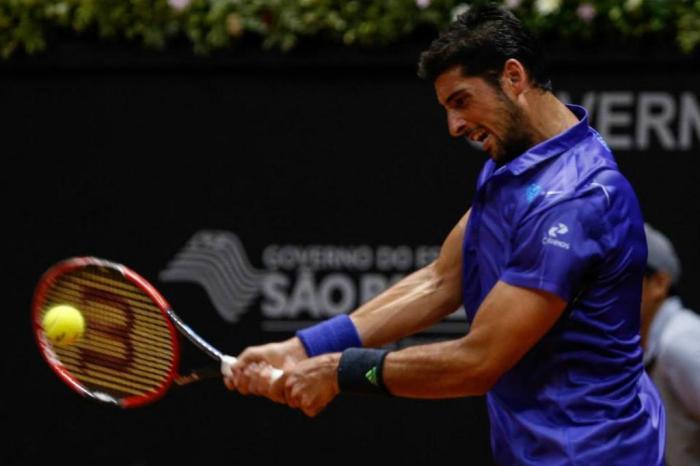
(47,351)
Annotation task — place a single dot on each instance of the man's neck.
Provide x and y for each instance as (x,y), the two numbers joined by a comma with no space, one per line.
(548,116)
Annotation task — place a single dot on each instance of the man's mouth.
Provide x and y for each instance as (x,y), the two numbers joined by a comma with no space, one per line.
(481,136)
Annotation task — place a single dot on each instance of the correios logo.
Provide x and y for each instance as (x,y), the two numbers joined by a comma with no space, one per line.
(553,234)
(558,229)
(297,283)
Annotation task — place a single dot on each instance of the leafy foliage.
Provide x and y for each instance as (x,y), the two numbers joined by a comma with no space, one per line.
(215,24)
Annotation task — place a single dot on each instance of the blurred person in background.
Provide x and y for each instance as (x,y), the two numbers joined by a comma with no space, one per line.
(671,340)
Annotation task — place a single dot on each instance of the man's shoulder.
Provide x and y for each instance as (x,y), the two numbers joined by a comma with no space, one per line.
(601,196)
(684,322)
(681,338)
(592,169)
(568,184)
(586,176)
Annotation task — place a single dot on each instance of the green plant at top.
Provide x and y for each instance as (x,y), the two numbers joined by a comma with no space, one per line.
(31,25)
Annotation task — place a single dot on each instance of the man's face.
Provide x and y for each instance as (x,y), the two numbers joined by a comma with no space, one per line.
(482,113)
(655,289)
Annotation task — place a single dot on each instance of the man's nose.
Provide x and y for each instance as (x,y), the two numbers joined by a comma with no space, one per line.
(456,124)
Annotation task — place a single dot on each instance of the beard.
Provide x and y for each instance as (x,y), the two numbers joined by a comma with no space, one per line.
(518,137)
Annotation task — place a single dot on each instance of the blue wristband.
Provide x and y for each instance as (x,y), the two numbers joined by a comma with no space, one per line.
(332,336)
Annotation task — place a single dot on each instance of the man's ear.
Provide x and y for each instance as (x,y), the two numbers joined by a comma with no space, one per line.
(514,77)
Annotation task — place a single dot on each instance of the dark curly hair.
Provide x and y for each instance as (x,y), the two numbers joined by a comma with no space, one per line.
(480,41)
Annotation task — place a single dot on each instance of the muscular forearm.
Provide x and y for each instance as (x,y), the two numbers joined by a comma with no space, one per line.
(417,301)
(440,370)
(414,303)
(509,322)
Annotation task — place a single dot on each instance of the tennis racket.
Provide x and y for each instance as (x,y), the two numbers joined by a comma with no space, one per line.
(128,354)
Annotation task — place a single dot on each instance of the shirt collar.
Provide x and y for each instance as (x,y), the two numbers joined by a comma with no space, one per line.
(549,148)
(669,308)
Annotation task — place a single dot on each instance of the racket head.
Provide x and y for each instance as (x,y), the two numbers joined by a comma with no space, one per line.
(128,354)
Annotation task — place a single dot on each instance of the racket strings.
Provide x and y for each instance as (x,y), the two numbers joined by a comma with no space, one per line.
(127,348)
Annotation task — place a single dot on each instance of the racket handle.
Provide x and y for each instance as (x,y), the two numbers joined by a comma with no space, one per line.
(228,361)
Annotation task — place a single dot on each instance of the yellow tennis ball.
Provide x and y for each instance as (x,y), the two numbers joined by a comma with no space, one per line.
(63,325)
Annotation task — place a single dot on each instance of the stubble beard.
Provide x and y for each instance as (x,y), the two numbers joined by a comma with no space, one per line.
(518,137)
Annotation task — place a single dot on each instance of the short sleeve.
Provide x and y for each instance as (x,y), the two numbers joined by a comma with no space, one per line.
(555,246)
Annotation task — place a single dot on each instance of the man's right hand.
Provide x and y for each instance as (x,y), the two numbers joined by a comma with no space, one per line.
(251,375)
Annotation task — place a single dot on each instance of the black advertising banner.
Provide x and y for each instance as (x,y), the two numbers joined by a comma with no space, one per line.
(261,200)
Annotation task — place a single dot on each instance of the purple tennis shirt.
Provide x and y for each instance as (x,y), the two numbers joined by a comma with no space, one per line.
(561,218)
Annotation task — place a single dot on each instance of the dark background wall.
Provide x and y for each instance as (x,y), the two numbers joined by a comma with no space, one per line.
(126,159)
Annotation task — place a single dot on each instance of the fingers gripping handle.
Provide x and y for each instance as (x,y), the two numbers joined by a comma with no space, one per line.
(228,361)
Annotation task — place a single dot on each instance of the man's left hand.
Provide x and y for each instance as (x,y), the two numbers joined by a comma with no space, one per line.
(312,384)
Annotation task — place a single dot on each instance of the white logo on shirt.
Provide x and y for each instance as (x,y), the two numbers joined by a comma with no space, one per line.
(553,193)
(558,229)
(552,236)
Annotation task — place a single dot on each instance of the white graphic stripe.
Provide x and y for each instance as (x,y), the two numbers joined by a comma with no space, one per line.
(217,261)
(226,306)
(228,270)
(224,293)
(605,191)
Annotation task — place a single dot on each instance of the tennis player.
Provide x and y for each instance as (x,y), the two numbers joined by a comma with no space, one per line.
(548,263)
